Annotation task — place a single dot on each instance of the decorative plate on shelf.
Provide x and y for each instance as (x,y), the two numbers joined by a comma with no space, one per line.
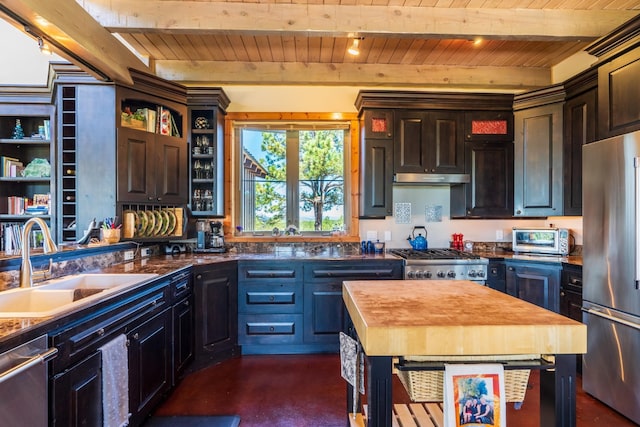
(158,226)
(171,222)
(201,123)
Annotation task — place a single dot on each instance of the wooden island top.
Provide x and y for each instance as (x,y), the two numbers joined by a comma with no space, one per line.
(446,317)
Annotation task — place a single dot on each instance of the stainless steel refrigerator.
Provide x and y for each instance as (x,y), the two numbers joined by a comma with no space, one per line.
(611,272)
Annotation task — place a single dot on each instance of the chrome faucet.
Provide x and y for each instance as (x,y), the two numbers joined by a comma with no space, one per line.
(26,270)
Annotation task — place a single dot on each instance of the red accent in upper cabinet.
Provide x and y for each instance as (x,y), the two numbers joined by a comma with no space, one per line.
(489,127)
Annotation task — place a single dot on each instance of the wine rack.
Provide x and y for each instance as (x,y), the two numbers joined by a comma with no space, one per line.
(67,165)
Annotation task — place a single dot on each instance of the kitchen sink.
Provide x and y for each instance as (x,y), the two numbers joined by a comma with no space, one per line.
(60,295)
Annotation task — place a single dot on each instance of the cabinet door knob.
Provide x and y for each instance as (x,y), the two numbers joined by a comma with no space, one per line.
(199,276)
(186,303)
(100,332)
(136,336)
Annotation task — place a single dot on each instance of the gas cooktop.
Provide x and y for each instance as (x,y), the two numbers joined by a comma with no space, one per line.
(432,254)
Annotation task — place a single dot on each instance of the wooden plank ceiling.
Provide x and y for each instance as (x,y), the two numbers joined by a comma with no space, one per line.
(412,43)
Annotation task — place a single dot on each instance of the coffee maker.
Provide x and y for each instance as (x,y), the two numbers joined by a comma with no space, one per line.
(211,241)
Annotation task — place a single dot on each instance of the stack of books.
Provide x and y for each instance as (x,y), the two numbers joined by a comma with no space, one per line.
(10,167)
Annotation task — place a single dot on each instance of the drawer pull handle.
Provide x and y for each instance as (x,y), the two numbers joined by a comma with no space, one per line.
(271,328)
(100,332)
(186,303)
(272,298)
(136,336)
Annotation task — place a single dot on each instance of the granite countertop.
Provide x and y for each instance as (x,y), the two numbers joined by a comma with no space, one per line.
(167,264)
(500,255)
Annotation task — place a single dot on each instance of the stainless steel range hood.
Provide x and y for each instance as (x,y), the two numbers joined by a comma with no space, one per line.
(431,178)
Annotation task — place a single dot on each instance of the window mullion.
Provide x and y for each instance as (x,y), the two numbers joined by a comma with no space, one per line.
(293,170)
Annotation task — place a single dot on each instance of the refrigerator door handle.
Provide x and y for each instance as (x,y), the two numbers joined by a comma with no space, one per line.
(612,318)
(636,167)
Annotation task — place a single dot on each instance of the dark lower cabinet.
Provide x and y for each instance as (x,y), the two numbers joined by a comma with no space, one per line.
(539,284)
(497,275)
(183,336)
(76,394)
(323,304)
(216,313)
(150,365)
(571,297)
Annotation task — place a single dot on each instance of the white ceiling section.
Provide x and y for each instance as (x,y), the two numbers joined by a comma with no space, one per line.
(405,43)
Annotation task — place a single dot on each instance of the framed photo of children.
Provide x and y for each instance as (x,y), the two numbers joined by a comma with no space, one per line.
(474,395)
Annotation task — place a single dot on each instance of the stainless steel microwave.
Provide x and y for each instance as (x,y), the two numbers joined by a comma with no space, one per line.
(549,241)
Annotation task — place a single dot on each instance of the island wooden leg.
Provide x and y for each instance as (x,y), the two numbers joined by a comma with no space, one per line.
(558,393)
(379,389)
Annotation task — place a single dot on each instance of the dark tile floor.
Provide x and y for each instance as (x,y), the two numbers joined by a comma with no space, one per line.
(301,391)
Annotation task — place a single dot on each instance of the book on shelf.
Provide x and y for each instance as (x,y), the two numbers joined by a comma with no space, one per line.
(10,167)
(164,118)
(39,205)
(151,117)
(174,127)
(11,239)
(166,123)
(16,205)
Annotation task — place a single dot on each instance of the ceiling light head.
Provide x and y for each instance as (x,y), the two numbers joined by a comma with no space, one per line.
(354,49)
(44,47)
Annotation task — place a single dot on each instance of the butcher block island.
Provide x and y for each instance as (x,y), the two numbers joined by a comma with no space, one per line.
(460,318)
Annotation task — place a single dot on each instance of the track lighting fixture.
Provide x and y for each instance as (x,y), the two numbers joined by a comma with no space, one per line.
(354,49)
(44,47)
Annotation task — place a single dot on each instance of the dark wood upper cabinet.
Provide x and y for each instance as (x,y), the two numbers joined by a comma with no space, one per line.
(376,178)
(429,142)
(488,126)
(378,124)
(152,153)
(618,96)
(580,124)
(618,69)
(538,186)
(490,192)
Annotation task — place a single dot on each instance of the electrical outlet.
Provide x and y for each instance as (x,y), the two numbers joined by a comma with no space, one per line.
(387,236)
(128,255)
(499,235)
(145,252)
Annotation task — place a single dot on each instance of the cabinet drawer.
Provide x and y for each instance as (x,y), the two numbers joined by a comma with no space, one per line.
(264,298)
(181,286)
(270,329)
(87,333)
(269,272)
(340,271)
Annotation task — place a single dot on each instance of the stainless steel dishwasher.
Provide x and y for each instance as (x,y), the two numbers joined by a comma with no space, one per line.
(24,383)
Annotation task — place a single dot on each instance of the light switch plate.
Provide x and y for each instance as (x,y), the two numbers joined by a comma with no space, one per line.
(387,236)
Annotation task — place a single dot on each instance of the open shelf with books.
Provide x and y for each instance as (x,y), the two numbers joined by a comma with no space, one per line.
(150,117)
(26,154)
